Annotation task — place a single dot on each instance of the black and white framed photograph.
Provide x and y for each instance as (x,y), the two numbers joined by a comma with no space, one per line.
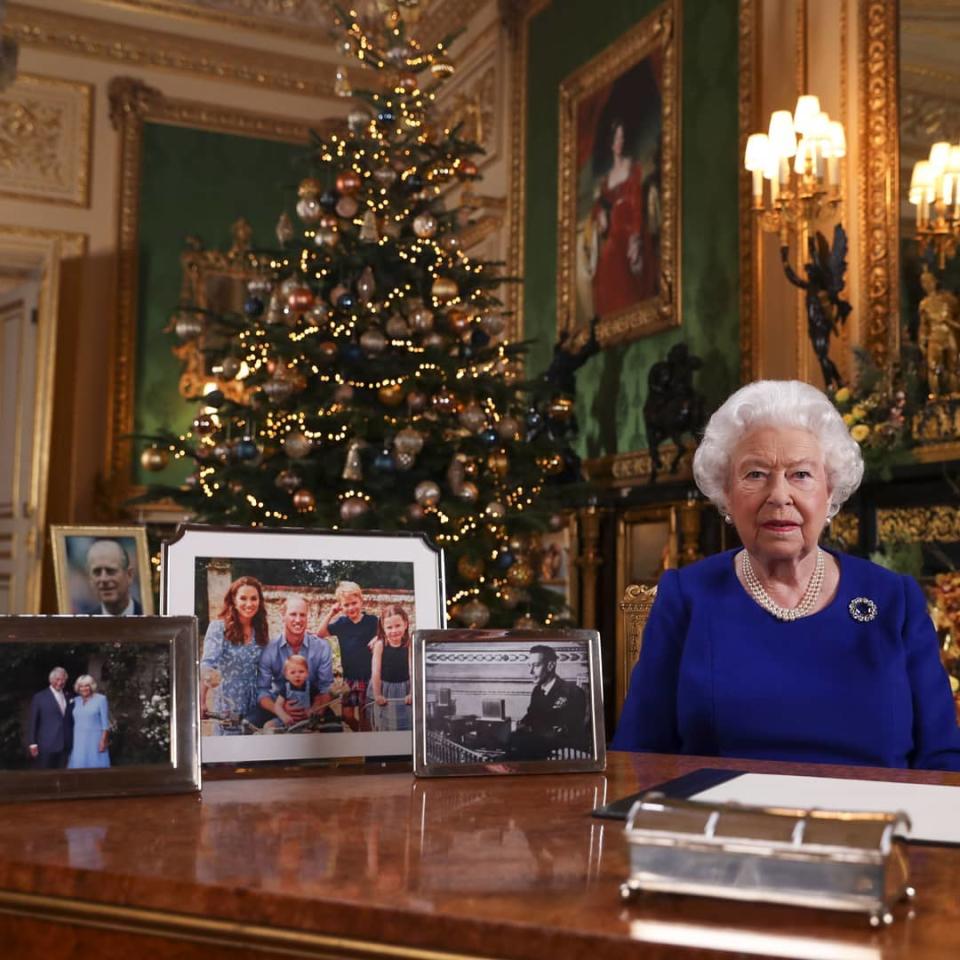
(102,570)
(305,637)
(507,701)
(98,707)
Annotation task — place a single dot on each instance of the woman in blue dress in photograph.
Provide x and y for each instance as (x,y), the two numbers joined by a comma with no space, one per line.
(91,726)
(231,655)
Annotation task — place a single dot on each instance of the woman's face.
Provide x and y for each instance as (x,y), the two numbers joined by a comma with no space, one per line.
(393,628)
(247,602)
(85,690)
(617,142)
(778,496)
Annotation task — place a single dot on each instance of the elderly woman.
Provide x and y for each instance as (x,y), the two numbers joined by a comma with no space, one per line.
(91,726)
(783,650)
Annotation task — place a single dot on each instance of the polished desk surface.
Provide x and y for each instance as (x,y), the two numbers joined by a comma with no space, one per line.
(337,863)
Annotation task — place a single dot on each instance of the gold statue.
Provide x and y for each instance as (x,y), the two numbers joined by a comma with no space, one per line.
(939,325)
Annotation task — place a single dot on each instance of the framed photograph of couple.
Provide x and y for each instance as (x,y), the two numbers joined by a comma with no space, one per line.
(305,637)
(619,186)
(98,707)
(507,701)
(102,570)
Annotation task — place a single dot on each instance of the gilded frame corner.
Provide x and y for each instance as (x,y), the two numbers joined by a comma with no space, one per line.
(658,30)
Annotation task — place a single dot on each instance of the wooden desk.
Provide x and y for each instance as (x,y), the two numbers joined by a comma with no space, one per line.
(338,864)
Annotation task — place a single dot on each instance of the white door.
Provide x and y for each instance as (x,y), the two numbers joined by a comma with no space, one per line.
(20,539)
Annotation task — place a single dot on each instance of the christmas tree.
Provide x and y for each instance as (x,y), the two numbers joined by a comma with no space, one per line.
(368,382)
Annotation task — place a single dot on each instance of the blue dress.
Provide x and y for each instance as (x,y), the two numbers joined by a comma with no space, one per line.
(719,676)
(90,719)
(239,666)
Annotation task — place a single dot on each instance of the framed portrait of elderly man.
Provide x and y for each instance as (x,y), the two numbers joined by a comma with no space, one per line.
(619,195)
(305,643)
(98,707)
(102,570)
(507,701)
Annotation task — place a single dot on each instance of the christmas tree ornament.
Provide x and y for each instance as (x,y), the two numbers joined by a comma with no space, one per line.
(384,461)
(473,417)
(498,462)
(407,82)
(309,187)
(346,302)
(300,299)
(416,401)
(508,428)
(328,200)
(467,170)
(308,210)
(409,441)
(258,286)
(221,451)
(154,459)
(304,501)
(353,465)
(297,445)
(348,181)
(373,341)
(353,508)
(455,476)
(391,395)
(327,351)
(351,352)
(253,306)
(386,116)
(526,622)
(404,461)
(337,292)
(459,321)
(275,310)
(425,225)
(385,177)
(245,449)
(442,68)
(284,230)
(347,207)
(278,389)
(478,339)
(474,614)
(511,596)
(534,422)
(444,289)
(505,559)
(470,567)
(468,492)
(421,319)
(392,228)
(357,120)
(235,487)
(520,574)
(427,493)
(551,464)
(399,54)
(444,400)
(366,286)
(204,424)
(187,326)
(397,326)
(229,367)
(214,398)
(450,243)
(470,468)
(560,408)
(492,324)
(344,393)
(415,513)
(488,437)
(319,313)
(434,341)
(289,481)
(516,543)
(413,183)
(326,237)
(369,233)
(341,83)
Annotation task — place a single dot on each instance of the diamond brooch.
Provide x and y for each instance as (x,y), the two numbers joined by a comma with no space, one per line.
(863,609)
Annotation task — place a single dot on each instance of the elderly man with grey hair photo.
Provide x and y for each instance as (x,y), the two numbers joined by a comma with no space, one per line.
(51,724)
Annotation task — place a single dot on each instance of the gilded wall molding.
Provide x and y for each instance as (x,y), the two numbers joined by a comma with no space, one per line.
(634,469)
(748,49)
(45,140)
(939,524)
(65,33)
(132,103)
(879,178)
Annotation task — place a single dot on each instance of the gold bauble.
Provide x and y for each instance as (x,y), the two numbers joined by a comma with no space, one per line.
(459,321)
(526,622)
(473,417)
(442,67)
(427,493)
(297,445)
(468,492)
(470,568)
(511,596)
(304,501)
(475,614)
(444,289)
(310,187)
(416,401)
(407,82)
(154,458)
(391,395)
(520,574)
(444,400)
(424,225)
(498,462)
(352,508)
(495,510)
(348,182)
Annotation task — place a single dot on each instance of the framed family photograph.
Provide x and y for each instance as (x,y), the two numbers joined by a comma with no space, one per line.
(102,570)
(98,707)
(305,649)
(619,194)
(507,701)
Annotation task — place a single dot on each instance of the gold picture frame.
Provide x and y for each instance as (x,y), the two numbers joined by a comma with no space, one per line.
(80,591)
(619,186)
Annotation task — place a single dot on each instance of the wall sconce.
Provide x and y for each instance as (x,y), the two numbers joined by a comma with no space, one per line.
(935,192)
(800,158)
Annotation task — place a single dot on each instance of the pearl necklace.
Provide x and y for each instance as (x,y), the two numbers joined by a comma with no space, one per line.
(807,601)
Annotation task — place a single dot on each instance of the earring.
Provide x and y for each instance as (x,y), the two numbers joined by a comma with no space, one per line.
(727,518)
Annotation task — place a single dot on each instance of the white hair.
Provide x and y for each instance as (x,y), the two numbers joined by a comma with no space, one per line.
(57,672)
(778,403)
(84,679)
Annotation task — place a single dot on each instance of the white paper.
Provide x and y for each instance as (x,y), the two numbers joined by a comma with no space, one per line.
(934,810)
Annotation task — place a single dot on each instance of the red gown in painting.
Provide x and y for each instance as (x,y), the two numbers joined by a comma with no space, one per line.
(618,283)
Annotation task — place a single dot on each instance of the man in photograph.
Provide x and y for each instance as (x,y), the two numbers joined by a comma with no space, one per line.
(556,716)
(51,724)
(295,640)
(111,577)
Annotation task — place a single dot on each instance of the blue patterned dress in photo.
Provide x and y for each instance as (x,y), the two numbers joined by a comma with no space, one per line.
(238,665)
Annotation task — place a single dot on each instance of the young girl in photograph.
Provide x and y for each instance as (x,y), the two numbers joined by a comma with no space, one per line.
(390,676)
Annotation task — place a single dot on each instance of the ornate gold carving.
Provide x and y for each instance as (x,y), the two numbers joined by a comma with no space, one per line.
(633,469)
(132,103)
(45,140)
(655,32)
(749,228)
(928,117)
(939,523)
(879,178)
(66,33)
(473,105)
(635,609)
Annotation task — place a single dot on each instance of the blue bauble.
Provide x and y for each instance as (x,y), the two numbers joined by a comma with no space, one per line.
(384,462)
(345,301)
(351,352)
(534,420)
(505,560)
(253,306)
(413,183)
(466,351)
(386,116)
(328,200)
(245,449)
(489,437)
(479,339)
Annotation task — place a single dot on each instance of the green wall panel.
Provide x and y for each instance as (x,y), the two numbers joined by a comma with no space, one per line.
(194,182)
(611,387)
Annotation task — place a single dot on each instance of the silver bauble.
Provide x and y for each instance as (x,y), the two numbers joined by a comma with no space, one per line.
(318,314)
(385,176)
(468,492)
(421,320)
(409,441)
(373,341)
(347,207)
(397,326)
(404,461)
(492,324)
(278,390)
(187,326)
(309,210)
(297,445)
(353,508)
(473,418)
(427,493)
(424,225)
(508,428)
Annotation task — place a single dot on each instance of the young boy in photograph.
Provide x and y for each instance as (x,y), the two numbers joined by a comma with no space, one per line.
(356,632)
(295,688)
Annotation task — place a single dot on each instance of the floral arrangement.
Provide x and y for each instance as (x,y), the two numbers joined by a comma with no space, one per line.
(945,612)
(156,714)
